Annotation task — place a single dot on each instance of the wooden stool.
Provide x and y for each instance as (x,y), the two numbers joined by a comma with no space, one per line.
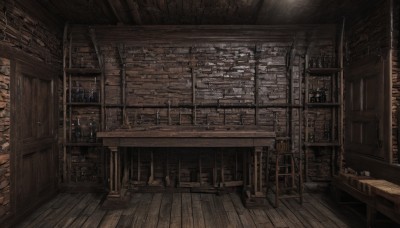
(284,175)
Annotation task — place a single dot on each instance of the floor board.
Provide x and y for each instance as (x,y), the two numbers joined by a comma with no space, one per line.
(174,210)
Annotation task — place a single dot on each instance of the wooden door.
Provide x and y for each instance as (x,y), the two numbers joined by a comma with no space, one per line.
(35,160)
(365,109)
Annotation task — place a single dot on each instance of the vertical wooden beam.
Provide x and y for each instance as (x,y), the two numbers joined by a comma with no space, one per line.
(151,178)
(222,184)
(341,94)
(114,184)
(192,65)
(92,34)
(65,51)
(200,169)
(134,11)
(255,171)
(116,14)
(121,52)
(139,166)
(256,89)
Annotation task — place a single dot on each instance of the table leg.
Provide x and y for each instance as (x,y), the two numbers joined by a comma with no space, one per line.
(115,180)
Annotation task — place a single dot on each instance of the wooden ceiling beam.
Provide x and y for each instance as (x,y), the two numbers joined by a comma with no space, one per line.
(134,11)
(117,16)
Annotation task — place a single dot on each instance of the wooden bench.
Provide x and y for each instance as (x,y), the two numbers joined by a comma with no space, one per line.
(378,195)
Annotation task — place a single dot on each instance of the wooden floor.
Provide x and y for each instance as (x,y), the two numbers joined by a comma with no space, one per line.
(187,210)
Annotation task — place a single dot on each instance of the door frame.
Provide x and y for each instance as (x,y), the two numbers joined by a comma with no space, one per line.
(18,56)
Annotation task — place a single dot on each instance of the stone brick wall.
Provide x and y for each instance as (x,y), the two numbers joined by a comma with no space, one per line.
(396,80)
(160,72)
(4,137)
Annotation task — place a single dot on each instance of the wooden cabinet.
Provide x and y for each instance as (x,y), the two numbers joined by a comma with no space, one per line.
(82,117)
(322,113)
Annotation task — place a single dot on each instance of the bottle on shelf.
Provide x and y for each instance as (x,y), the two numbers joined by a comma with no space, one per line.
(92,131)
(93,95)
(78,131)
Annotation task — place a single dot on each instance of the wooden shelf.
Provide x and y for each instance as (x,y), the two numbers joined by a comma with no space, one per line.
(323,71)
(83,144)
(83,104)
(321,144)
(326,104)
(83,70)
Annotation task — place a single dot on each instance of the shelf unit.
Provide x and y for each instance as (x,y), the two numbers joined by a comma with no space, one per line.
(83,158)
(330,107)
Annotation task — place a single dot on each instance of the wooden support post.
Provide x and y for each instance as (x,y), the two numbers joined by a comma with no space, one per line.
(169,113)
(256,89)
(222,184)
(121,52)
(200,169)
(131,158)
(102,85)
(236,165)
(179,170)
(192,65)
(65,51)
(260,169)
(255,171)
(138,167)
(125,160)
(167,180)
(151,178)
(215,171)
(115,187)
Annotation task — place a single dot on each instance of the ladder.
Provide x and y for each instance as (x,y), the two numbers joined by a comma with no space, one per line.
(284,175)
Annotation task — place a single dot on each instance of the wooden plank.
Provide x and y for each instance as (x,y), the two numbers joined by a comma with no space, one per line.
(244,215)
(128,214)
(306,218)
(187,212)
(154,211)
(208,211)
(165,211)
(185,134)
(260,218)
(291,218)
(341,213)
(94,219)
(176,212)
(327,212)
(75,212)
(220,212)
(318,215)
(274,216)
(44,211)
(230,211)
(198,217)
(141,215)
(59,213)
(89,210)
(111,218)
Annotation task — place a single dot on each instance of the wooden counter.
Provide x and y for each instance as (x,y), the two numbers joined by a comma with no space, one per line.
(256,138)
(185,137)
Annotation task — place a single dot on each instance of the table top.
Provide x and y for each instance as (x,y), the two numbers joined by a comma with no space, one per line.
(188,132)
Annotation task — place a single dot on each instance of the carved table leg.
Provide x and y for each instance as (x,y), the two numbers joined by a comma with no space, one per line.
(117,197)
(115,180)
(256,197)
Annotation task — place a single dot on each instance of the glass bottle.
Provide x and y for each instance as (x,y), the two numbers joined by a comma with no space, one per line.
(92,131)
(78,131)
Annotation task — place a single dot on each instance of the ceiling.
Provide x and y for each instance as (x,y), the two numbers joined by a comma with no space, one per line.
(182,12)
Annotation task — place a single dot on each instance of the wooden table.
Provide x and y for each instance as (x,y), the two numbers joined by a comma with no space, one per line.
(184,137)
